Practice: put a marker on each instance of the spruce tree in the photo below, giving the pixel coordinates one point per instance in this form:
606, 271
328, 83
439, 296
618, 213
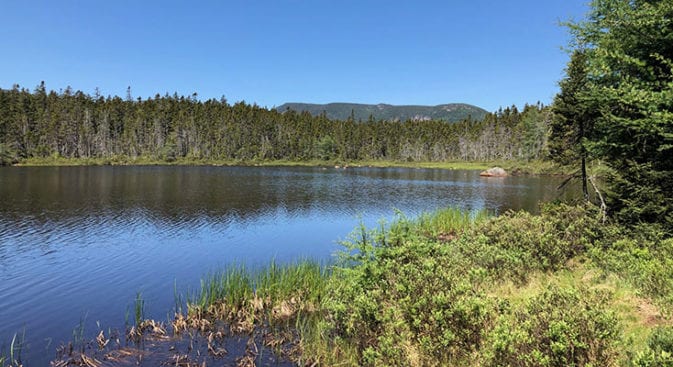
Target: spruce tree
629, 48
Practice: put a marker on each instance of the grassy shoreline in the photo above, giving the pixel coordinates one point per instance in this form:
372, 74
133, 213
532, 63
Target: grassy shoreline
537, 167
447, 288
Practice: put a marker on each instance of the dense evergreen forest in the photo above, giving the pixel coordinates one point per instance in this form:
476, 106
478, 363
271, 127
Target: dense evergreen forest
72, 124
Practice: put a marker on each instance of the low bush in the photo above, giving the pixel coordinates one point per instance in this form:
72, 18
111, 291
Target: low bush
403, 299
546, 241
659, 352
644, 261
558, 327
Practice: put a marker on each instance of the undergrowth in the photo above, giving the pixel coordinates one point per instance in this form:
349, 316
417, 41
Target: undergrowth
429, 291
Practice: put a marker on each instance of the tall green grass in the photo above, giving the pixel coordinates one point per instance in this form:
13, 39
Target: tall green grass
234, 286
449, 221
306, 279
237, 285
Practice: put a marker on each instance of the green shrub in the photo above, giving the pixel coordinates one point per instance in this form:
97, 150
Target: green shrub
559, 327
659, 352
644, 261
401, 296
419, 292
168, 152
517, 242
326, 148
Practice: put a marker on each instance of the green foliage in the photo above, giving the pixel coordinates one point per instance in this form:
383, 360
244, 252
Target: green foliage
168, 152
645, 259
237, 286
573, 116
8, 156
558, 327
417, 292
516, 243
401, 295
629, 50
139, 309
326, 148
535, 124
659, 352
72, 125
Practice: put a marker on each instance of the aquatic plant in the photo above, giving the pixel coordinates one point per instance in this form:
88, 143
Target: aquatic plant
247, 297
15, 351
139, 308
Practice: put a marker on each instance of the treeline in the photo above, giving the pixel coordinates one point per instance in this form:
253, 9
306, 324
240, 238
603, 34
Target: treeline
72, 124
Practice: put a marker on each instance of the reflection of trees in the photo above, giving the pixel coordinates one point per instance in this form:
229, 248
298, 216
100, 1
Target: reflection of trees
173, 195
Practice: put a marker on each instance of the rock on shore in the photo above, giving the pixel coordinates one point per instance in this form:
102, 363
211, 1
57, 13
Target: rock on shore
494, 172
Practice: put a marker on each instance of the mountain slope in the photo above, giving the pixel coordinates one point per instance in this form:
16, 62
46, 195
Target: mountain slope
340, 111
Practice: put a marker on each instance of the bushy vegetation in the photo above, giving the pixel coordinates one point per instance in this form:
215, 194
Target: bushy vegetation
431, 291
557, 327
645, 258
8, 156
399, 296
421, 292
659, 351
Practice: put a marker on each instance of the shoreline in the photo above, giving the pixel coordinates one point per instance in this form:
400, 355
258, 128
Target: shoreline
515, 168
289, 314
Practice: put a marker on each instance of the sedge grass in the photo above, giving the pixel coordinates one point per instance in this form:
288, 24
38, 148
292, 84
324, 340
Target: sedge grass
449, 221
15, 350
139, 308
237, 286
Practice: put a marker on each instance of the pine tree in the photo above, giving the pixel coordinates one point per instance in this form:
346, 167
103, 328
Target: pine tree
629, 48
573, 118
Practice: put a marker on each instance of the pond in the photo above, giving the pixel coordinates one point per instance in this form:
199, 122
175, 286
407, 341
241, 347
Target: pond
78, 243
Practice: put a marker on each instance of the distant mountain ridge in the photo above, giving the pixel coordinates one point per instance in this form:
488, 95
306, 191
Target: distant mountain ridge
450, 112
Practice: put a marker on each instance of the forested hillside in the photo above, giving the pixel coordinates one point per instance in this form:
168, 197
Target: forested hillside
72, 124
451, 112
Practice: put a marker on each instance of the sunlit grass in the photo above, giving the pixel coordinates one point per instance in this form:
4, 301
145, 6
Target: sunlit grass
255, 297
449, 221
513, 166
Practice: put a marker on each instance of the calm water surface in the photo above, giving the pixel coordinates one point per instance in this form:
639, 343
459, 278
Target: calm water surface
78, 243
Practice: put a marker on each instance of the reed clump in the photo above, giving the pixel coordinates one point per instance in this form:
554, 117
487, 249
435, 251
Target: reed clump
244, 299
265, 304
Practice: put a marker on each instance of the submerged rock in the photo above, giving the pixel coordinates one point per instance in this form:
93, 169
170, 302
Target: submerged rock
494, 172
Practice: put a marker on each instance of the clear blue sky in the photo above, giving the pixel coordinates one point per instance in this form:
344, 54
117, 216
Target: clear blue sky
488, 53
